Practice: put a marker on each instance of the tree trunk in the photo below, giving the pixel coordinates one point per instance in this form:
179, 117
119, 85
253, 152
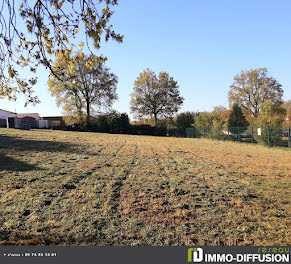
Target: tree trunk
88, 115
81, 119
155, 120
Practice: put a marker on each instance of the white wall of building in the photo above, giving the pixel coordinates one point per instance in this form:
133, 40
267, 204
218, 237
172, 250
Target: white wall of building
4, 114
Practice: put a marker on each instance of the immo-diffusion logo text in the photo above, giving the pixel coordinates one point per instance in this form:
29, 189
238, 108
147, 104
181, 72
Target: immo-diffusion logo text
197, 255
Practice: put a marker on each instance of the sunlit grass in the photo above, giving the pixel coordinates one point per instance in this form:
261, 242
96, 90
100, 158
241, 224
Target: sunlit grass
67, 188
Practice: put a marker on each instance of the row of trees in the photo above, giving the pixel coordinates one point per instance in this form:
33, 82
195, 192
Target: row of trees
90, 86
255, 98
83, 85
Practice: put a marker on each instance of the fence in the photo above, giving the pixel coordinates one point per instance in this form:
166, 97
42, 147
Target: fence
28, 124
271, 136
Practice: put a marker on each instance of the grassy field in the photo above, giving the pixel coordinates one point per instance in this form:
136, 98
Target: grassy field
100, 189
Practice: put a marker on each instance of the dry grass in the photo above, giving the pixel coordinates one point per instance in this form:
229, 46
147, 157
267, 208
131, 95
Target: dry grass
99, 189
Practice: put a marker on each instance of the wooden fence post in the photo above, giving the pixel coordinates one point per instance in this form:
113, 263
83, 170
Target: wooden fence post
252, 134
268, 136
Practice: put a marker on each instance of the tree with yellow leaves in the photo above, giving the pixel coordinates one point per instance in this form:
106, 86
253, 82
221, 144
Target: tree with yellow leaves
155, 95
250, 89
287, 106
89, 84
270, 121
50, 27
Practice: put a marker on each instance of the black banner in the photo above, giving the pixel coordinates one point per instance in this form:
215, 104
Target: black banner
140, 255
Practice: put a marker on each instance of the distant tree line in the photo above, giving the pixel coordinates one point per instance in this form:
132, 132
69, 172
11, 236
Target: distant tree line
255, 99
118, 123
83, 85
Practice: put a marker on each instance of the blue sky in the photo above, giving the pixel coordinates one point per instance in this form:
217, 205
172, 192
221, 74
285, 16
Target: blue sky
201, 43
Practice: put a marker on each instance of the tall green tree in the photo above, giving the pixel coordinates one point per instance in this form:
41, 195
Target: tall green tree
90, 85
33, 32
185, 120
252, 88
155, 96
237, 119
205, 120
112, 122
